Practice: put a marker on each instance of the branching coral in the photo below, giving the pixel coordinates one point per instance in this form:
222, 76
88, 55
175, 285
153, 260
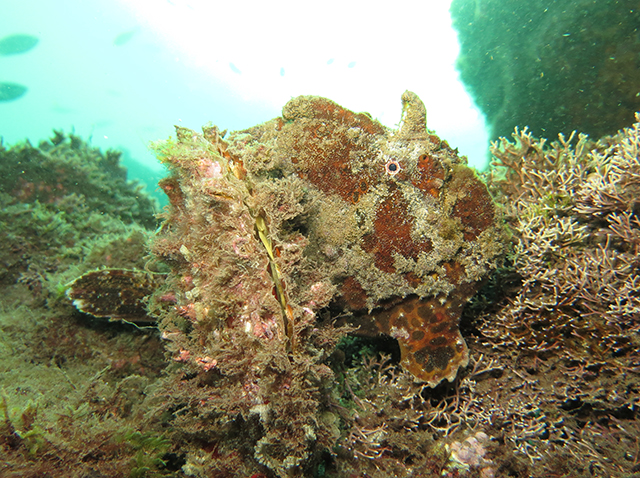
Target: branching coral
400, 427
567, 335
574, 212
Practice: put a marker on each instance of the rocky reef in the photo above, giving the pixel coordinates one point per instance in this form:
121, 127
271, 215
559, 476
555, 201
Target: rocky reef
553, 66
72, 387
68, 167
274, 232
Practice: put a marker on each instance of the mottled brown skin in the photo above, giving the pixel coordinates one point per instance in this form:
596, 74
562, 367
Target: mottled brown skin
328, 168
427, 331
380, 223
392, 230
474, 206
345, 154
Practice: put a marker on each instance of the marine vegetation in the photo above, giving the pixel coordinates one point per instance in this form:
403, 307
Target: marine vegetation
66, 166
71, 385
566, 335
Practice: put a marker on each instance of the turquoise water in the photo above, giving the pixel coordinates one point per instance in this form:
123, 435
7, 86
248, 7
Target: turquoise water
123, 73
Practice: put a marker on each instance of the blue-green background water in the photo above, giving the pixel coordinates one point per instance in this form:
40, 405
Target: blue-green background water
122, 73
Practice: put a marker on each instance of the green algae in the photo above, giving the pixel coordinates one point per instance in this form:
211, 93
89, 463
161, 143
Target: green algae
71, 383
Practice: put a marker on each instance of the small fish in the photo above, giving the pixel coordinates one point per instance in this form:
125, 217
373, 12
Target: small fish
115, 293
17, 44
11, 91
125, 37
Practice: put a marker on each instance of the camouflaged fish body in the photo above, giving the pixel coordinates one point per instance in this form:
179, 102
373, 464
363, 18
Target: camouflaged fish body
326, 208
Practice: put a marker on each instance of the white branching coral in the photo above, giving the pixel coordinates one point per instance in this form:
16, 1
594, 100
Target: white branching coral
567, 333
573, 207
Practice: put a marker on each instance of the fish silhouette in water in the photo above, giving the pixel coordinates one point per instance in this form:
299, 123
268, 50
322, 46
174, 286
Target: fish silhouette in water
125, 37
11, 91
17, 44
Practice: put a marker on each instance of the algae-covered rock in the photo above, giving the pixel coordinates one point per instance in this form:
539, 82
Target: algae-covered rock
73, 388
66, 165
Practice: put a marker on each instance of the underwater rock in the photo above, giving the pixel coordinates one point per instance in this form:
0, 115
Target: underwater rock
555, 67
320, 208
66, 166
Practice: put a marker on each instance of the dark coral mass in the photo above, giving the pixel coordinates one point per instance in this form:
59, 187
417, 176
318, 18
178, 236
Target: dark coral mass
322, 207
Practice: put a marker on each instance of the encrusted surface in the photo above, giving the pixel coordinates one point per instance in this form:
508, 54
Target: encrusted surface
323, 207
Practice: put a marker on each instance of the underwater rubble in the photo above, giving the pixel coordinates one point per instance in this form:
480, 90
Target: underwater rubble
333, 299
